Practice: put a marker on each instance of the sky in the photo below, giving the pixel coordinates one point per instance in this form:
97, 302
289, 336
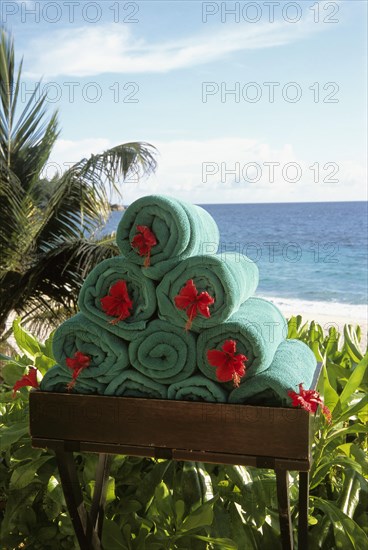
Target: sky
245, 101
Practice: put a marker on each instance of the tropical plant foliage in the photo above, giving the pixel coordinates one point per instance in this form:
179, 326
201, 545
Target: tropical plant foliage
158, 504
48, 227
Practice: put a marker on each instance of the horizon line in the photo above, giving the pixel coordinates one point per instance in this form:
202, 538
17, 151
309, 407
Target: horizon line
256, 203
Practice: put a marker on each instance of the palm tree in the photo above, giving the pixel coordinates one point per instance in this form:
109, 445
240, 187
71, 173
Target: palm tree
48, 227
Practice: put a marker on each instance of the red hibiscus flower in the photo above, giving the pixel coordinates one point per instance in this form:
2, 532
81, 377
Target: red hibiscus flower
229, 366
117, 303
143, 241
77, 363
309, 401
194, 303
29, 379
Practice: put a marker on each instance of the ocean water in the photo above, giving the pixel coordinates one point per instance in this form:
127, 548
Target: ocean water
306, 252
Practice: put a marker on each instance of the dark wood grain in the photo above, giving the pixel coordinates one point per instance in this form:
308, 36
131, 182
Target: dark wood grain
239, 429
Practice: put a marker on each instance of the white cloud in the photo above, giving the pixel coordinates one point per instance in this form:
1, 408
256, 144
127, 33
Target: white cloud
201, 171
88, 51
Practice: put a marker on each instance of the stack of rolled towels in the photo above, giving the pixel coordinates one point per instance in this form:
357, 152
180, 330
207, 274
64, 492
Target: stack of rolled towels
171, 318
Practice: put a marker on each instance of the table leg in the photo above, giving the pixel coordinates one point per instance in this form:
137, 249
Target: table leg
284, 509
303, 510
74, 501
97, 513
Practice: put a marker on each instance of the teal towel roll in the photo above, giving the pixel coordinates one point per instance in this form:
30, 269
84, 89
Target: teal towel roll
294, 363
164, 352
197, 388
108, 353
141, 292
131, 383
228, 278
57, 379
181, 230
258, 328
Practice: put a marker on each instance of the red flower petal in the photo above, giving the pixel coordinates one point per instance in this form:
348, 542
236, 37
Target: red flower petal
117, 303
204, 300
229, 366
187, 295
182, 302
29, 379
194, 303
119, 289
229, 346
143, 242
223, 375
216, 358
309, 401
79, 362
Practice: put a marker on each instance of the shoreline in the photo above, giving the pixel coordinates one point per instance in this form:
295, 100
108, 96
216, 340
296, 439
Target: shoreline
326, 314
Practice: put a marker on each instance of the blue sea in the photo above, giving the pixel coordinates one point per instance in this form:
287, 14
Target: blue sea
306, 252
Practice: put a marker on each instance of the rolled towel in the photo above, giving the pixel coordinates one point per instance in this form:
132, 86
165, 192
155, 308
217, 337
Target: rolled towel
179, 230
197, 388
106, 353
131, 383
294, 363
164, 352
258, 328
57, 379
229, 279
124, 310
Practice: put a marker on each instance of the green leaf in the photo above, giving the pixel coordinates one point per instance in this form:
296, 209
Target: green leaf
25, 341
348, 534
53, 501
325, 467
16, 501
112, 537
349, 496
244, 535
6, 397
110, 490
331, 397
149, 482
45, 534
179, 511
224, 544
352, 343
360, 457
47, 346
24, 475
201, 517
12, 372
11, 434
26, 451
312, 520
43, 363
351, 412
354, 429
355, 379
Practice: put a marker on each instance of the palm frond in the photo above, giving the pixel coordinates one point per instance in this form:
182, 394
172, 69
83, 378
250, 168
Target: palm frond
53, 282
12, 215
26, 140
80, 203
47, 227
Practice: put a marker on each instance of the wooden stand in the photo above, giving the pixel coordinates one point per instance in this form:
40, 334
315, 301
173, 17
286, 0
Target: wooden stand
265, 437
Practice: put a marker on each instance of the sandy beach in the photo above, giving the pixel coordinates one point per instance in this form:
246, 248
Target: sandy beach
327, 314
